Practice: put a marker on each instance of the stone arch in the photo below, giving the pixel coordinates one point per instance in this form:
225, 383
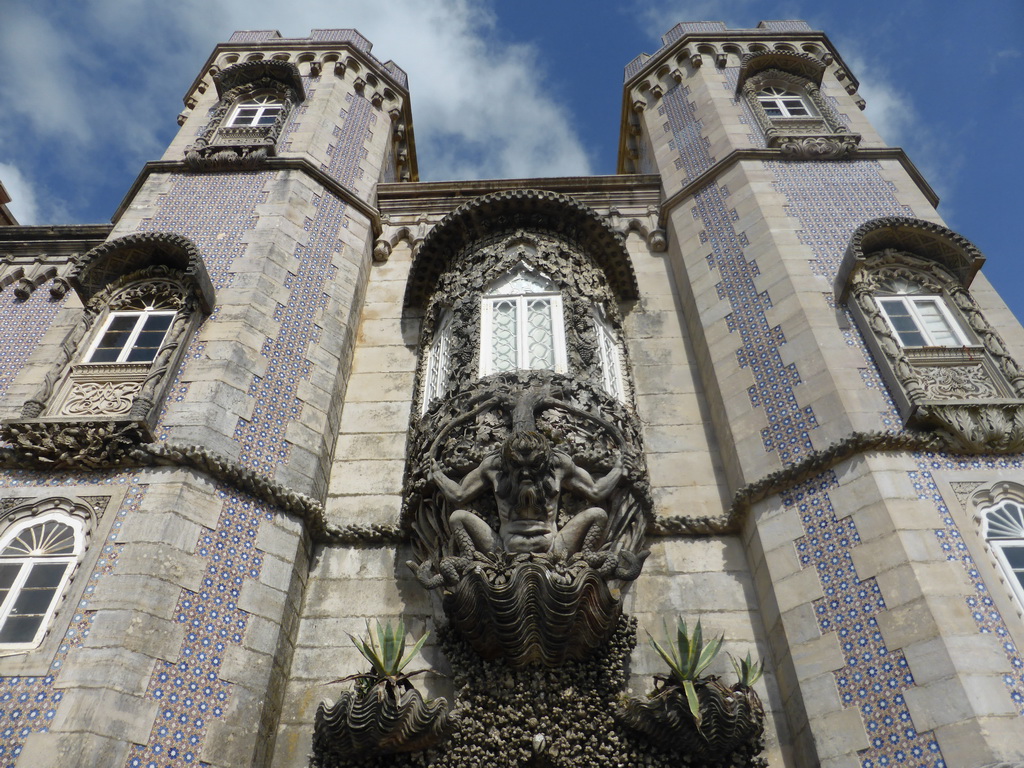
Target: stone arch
95, 270
511, 210
925, 239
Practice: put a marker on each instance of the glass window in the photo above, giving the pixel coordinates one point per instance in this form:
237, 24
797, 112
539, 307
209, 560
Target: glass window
439, 362
922, 321
1004, 530
261, 110
778, 102
37, 558
608, 350
131, 337
522, 325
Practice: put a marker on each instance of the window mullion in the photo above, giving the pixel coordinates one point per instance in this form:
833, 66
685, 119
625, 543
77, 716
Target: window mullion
129, 344
15, 590
522, 323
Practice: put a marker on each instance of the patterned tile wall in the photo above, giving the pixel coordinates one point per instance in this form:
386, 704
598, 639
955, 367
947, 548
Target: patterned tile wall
29, 703
983, 610
189, 690
688, 140
22, 324
830, 200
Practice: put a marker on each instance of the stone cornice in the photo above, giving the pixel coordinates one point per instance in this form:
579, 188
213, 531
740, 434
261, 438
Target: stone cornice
738, 155
300, 164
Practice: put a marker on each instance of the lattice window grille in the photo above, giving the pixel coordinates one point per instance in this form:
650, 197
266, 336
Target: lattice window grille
522, 325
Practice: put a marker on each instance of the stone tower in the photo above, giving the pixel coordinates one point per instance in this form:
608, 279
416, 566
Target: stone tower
293, 394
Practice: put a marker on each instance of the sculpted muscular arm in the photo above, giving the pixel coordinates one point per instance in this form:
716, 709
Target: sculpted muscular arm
578, 480
472, 485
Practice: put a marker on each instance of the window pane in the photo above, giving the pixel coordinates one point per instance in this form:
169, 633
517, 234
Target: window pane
114, 339
148, 342
1014, 556
936, 324
8, 572
269, 116
503, 336
33, 602
45, 575
20, 629
540, 341
903, 322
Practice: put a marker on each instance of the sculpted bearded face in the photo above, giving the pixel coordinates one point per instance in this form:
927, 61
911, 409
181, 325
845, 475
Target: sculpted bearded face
526, 460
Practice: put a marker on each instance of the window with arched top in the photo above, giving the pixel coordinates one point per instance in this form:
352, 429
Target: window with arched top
259, 110
906, 285
917, 317
779, 102
1004, 532
522, 326
38, 556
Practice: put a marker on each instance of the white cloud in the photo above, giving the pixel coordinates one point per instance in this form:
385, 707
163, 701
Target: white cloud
95, 90
480, 107
23, 196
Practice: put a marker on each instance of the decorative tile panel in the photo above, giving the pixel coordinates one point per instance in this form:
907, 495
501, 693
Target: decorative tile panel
28, 704
874, 676
693, 147
986, 615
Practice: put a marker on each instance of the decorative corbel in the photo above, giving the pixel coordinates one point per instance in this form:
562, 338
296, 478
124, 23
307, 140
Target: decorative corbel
359, 84
721, 59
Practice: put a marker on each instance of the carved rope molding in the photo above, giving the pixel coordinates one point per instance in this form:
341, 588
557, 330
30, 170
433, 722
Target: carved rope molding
311, 511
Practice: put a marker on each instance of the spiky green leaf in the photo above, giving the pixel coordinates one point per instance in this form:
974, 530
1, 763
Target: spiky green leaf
692, 701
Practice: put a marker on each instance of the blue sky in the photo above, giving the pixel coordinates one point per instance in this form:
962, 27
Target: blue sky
526, 88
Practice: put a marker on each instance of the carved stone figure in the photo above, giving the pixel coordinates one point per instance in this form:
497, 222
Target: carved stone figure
527, 476
528, 508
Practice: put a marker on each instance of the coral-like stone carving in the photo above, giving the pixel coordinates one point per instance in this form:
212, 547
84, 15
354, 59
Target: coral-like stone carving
77, 444
529, 549
386, 719
731, 730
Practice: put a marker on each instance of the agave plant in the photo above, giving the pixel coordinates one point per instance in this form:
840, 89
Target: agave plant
386, 652
687, 657
747, 670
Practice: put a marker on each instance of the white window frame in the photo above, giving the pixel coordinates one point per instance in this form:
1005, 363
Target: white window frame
28, 562
774, 97
610, 353
557, 316
263, 105
439, 363
142, 316
910, 303
1003, 538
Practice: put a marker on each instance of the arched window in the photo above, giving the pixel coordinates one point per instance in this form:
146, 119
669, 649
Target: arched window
522, 325
905, 282
1004, 532
37, 558
259, 110
778, 102
917, 318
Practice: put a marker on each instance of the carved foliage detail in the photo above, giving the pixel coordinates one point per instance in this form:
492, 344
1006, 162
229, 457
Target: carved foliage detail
100, 398
581, 282
966, 395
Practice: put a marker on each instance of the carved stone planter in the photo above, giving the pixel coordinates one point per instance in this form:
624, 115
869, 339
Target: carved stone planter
732, 722
381, 721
